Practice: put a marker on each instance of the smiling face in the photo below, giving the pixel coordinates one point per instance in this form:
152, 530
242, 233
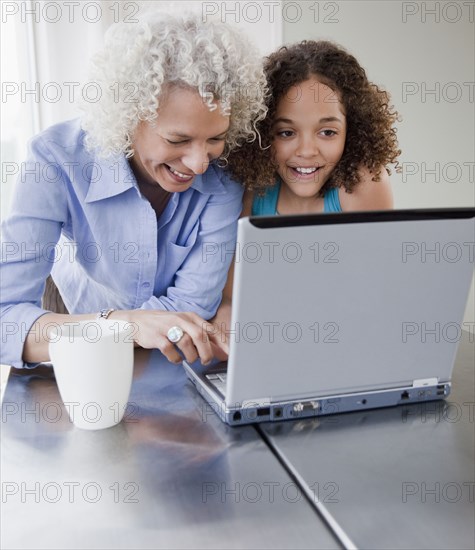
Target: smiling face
180, 144
309, 134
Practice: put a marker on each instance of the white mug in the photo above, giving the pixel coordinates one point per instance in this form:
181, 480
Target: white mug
93, 363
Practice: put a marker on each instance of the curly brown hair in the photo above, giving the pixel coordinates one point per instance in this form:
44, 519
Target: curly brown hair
371, 140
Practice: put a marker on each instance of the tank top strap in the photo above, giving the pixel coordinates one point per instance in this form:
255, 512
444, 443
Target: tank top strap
266, 205
331, 201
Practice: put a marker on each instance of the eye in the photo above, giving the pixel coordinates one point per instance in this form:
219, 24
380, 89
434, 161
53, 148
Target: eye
218, 139
181, 142
328, 133
284, 133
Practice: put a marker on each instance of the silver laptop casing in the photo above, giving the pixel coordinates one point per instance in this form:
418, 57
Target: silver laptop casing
340, 312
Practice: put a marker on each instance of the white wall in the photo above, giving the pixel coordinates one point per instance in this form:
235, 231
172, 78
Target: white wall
65, 47
409, 51
408, 58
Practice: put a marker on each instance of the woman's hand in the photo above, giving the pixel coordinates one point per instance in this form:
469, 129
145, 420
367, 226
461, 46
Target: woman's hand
201, 339
221, 325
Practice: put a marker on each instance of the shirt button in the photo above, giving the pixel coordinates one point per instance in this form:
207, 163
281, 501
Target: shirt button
145, 285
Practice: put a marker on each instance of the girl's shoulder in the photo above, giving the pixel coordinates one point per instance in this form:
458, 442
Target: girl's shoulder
368, 194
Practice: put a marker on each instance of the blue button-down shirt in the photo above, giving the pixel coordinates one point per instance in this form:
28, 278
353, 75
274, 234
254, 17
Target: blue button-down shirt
84, 220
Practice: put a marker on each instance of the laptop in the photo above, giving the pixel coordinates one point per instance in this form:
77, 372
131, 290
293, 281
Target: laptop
342, 312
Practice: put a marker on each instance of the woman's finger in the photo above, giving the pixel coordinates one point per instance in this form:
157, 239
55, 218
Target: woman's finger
200, 341
188, 348
219, 341
169, 351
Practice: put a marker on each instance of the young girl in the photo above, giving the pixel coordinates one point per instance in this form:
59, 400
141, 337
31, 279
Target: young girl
326, 140
325, 143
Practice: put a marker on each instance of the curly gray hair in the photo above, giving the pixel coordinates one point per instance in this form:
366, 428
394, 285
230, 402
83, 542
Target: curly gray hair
139, 60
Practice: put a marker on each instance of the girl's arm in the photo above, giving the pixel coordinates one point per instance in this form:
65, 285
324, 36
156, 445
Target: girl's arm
368, 194
222, 319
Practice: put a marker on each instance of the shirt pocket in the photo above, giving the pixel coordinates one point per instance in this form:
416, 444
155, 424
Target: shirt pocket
177, 253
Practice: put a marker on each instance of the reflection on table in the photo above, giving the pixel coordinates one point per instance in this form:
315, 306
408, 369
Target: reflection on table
170, 475
402, 477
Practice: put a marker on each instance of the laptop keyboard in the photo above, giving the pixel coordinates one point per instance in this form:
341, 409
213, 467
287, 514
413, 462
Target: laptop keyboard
218, 381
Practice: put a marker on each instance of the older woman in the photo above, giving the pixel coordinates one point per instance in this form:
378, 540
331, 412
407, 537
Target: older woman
123, 205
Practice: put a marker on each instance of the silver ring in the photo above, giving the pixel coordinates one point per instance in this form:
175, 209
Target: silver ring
175, 334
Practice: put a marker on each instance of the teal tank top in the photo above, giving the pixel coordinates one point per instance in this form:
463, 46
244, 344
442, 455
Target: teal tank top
267, 204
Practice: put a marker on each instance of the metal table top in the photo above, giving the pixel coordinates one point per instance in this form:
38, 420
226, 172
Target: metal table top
171, 475
402, 477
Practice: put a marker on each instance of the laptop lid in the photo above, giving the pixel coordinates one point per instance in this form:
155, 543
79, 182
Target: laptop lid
340, 303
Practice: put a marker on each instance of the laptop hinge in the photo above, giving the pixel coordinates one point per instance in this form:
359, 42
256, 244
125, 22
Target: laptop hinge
425, 382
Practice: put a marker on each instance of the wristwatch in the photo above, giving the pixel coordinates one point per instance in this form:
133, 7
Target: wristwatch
104, 313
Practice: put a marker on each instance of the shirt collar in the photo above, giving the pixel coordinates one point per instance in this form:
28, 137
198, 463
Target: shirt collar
109, 177
210, 183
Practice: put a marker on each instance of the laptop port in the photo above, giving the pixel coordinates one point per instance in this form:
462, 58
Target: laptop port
277, 413
237, 416
263, 412
305, 406
405, 395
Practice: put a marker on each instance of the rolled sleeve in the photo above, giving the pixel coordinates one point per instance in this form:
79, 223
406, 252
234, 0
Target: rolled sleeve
14, 333
28, 242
